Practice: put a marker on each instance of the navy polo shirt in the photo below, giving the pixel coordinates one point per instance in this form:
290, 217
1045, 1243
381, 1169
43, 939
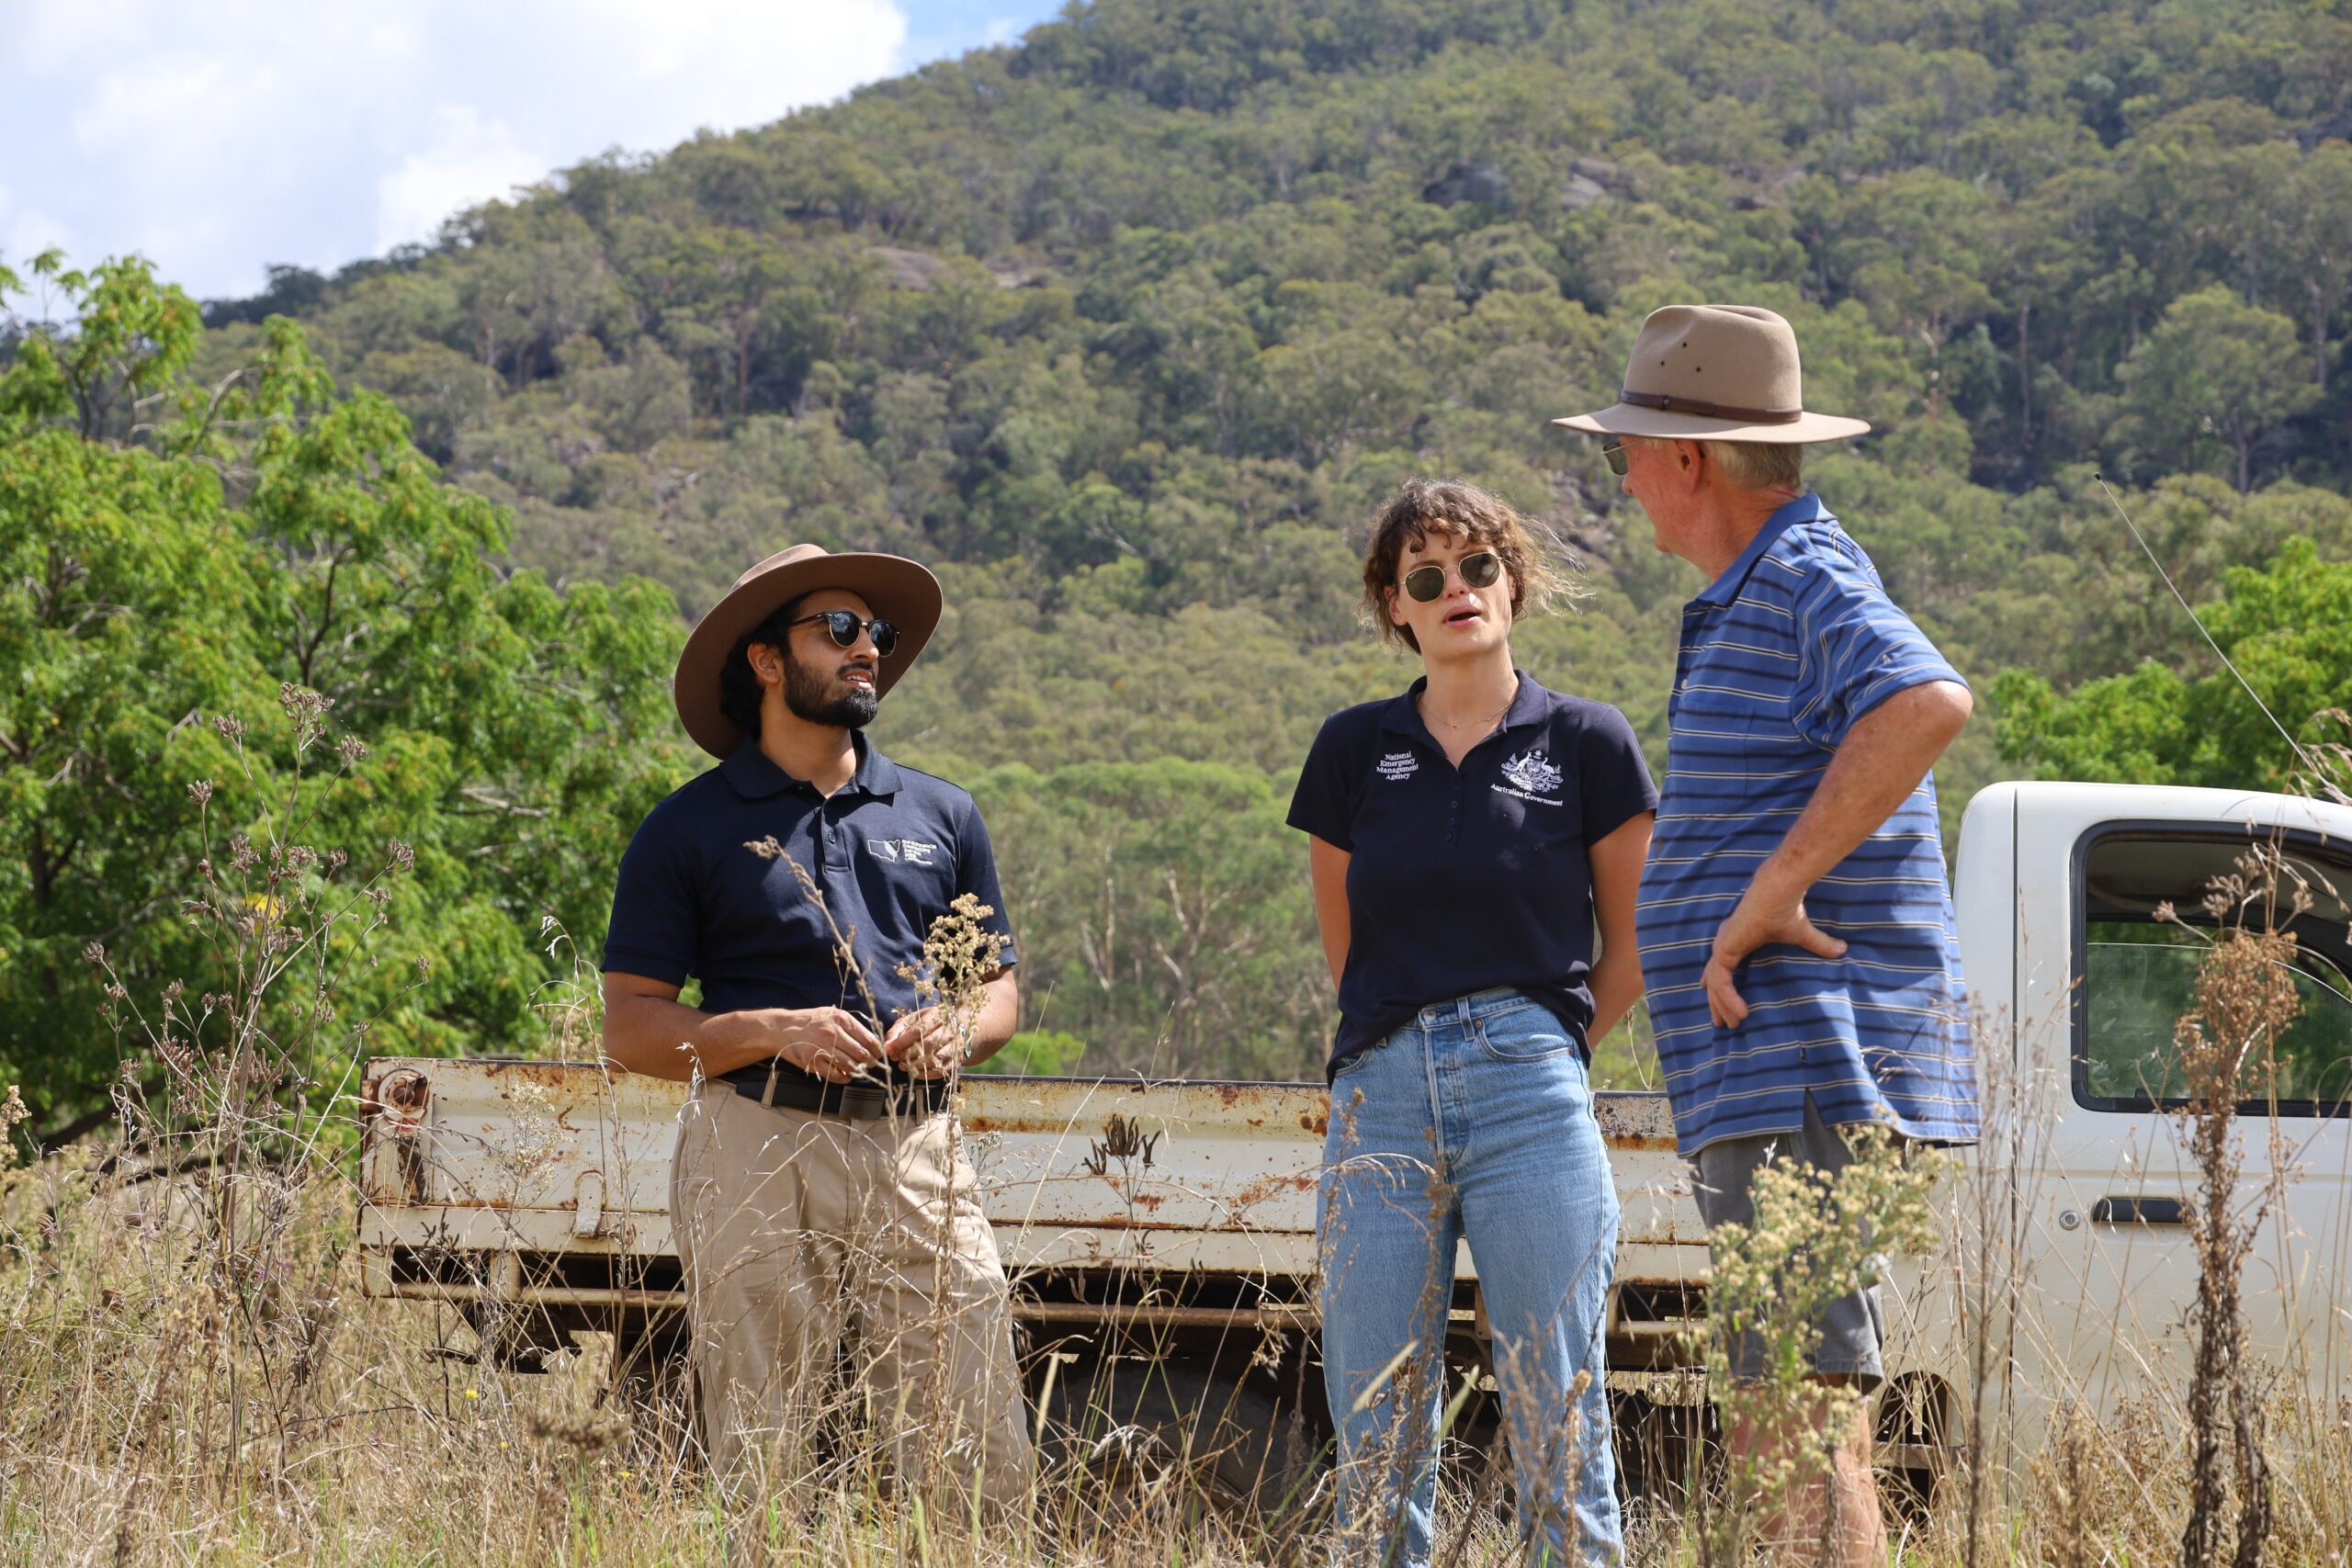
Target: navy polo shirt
1464, 880
889, 852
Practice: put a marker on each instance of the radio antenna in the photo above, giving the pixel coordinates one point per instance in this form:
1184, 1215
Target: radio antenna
2310, 764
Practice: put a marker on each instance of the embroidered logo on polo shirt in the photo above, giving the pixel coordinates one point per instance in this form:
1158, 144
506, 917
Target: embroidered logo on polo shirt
1397, 765
1531, 776
904, 851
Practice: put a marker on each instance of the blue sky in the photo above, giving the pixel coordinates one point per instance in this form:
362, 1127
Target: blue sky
219, 136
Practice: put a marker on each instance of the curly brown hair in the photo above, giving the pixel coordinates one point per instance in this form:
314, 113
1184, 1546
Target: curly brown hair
1450, 509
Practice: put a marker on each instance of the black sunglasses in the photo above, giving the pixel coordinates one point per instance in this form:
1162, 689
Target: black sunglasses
1614, 454
844, 626
1426, 582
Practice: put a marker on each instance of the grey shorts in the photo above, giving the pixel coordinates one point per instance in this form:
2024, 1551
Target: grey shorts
1853, 1329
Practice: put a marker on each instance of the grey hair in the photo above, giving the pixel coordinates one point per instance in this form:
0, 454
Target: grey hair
1758, 464
1752, 464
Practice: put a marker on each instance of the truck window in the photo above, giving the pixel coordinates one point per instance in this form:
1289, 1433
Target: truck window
2136, 974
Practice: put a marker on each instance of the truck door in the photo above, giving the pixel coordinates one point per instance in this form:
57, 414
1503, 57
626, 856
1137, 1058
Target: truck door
2113, 1274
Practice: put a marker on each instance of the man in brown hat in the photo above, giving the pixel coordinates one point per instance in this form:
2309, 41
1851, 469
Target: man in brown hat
820, 1188
1794, 918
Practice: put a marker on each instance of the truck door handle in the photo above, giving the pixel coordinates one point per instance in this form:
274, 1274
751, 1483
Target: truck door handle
2140, 1212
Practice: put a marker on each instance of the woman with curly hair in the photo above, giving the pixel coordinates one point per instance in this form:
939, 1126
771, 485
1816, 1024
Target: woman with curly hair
1467, 840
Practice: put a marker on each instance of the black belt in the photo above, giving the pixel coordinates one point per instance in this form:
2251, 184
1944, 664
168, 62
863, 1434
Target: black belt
861, 1100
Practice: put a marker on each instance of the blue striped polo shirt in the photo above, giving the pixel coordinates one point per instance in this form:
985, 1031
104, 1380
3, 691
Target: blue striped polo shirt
1778, 658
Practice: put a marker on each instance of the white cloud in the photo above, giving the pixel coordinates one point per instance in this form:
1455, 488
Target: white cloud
280, 131
25, 232
470, 159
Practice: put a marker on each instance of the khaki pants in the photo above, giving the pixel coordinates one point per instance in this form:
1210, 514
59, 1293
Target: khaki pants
796, 1229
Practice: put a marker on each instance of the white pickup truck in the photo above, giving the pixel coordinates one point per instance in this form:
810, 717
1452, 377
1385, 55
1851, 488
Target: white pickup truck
1161, 1235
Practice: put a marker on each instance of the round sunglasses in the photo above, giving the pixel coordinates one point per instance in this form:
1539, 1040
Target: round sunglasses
843, 626
1424, 583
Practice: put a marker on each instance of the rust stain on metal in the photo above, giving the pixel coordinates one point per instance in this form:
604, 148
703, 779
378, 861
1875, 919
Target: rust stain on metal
567, 1077
1633, 1119
1318, 1125
1644, 1141
1274, 1186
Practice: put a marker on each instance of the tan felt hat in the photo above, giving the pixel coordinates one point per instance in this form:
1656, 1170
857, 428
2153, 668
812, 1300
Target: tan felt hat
1715, 373
901, 592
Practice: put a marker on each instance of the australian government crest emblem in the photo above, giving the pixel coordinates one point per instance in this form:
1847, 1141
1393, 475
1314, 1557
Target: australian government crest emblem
1531, 773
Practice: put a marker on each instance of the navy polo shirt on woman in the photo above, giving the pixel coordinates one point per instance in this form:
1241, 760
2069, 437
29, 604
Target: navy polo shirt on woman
889, 852
1463, 880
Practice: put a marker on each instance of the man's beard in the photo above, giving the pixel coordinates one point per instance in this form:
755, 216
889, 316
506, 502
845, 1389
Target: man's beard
804, 693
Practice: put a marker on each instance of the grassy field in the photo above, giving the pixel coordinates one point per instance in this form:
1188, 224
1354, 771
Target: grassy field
190, 1372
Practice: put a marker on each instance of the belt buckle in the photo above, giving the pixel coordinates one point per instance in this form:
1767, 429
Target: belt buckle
864, 1101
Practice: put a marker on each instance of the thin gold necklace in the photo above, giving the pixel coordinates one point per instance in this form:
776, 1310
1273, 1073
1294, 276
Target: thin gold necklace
1492, 719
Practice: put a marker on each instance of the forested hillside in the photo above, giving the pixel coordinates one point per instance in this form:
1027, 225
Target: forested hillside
1127, 327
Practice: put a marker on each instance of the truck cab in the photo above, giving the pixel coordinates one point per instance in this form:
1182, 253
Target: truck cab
2085, 913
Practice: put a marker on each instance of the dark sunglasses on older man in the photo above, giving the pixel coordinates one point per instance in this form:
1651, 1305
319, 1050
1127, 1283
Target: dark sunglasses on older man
843, 626
1614, 454
1426, 582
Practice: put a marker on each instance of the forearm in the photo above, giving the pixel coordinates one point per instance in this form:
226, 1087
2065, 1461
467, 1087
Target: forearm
1886, 754
1327, 884
666, 1039
998, 1017
1616, 985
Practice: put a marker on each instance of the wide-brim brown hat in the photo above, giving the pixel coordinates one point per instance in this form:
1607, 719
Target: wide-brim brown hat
901, 592
1715, 373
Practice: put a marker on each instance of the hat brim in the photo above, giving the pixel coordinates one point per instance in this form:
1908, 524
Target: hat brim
1627, 419
899, 591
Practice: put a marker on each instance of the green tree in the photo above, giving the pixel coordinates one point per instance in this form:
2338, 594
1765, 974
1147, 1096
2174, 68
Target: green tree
2216, 368
2288, 631
163, 582
1162, 914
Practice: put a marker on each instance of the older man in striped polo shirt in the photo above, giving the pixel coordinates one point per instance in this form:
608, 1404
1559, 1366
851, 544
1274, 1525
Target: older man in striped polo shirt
1796, 921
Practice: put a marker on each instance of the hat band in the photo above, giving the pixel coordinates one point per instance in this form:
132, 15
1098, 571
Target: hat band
1709, 410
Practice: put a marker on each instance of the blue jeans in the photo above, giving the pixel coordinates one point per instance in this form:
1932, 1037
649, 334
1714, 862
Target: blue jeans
1475, 1120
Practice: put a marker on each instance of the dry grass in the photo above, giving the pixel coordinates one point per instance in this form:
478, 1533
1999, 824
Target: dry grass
189, 1371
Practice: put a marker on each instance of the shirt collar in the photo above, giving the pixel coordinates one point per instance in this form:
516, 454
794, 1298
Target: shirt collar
755, 776
1403, 714
1725, 589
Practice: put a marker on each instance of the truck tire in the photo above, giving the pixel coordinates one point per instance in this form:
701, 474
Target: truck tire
1169, 1436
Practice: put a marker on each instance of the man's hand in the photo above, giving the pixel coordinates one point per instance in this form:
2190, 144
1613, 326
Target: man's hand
925, 1043
1885, 755
834, 1044
1754, 922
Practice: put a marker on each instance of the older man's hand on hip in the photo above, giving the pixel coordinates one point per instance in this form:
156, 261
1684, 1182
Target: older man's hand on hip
1886, 754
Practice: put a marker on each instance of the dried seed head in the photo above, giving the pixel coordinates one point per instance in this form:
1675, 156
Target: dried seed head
200, 791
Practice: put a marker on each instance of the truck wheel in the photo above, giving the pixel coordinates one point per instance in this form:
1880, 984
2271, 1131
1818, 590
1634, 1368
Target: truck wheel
1165, 1438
